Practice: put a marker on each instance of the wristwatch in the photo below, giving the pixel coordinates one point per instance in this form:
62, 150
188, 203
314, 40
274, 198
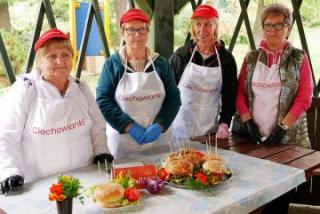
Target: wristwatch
283, 126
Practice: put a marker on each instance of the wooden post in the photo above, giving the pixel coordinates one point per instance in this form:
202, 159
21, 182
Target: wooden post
6, 62
45, 7
164, 14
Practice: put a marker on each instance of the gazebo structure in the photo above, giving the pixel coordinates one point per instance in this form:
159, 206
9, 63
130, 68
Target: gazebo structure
163, 12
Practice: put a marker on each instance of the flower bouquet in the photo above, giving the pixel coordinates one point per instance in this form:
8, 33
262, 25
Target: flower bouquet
64, 191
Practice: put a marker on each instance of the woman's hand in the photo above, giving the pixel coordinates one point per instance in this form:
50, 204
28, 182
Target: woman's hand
223, 131
11, 184
102, 157
276, 136
252, 131
152, 133
136, 132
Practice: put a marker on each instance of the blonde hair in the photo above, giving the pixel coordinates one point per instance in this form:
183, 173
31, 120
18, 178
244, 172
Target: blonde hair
58, 43
215, 34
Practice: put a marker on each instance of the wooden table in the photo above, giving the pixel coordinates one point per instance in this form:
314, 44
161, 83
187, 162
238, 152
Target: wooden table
295, 156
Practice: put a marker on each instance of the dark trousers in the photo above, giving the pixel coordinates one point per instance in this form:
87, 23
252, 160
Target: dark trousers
279, 205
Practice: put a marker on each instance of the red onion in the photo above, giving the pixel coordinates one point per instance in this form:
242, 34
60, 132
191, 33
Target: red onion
153, 186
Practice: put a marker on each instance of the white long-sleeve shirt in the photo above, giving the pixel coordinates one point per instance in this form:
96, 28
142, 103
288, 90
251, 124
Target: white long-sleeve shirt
43, 133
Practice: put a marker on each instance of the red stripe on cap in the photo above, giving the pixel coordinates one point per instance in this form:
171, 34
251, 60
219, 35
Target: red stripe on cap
53, 33
134, 14
205, 11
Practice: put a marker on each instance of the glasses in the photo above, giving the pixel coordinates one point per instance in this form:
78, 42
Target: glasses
277, 26
63, 57
141, 31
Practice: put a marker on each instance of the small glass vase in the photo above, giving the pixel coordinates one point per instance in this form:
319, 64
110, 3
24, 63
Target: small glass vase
65, 206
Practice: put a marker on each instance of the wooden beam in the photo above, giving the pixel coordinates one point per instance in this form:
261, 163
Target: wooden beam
146, 6
6, 62
193, 5
84, 40
237, 28
179, 4
131, 4
297, 16
45, 7
164, 14
247, 24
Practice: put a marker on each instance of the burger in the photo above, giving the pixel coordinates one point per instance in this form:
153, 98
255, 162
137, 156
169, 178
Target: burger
179, 167
108, 195
214, 166
216, 171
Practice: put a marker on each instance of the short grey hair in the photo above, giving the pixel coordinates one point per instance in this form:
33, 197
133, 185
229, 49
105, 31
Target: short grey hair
278, 9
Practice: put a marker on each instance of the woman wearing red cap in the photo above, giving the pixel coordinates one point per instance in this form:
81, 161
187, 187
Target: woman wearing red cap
136, 91
52, 123
275, 86
206, 74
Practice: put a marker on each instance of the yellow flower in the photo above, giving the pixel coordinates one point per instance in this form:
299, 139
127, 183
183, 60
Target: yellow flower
66, 178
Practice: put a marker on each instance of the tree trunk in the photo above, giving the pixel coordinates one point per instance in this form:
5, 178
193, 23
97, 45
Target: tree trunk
257, 28
4, 16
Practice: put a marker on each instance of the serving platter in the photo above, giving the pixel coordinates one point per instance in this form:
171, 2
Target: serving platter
225, 178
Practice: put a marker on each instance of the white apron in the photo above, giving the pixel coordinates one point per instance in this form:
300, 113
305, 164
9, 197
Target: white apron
200, 89
266, 87
57, 136
140, 95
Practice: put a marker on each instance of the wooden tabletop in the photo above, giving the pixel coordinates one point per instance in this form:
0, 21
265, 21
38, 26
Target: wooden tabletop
295, 156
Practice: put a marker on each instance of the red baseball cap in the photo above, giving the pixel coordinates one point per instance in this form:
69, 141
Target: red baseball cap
205, 11
53, 33
134, 14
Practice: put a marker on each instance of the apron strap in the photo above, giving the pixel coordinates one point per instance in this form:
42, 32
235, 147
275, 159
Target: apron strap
215, 49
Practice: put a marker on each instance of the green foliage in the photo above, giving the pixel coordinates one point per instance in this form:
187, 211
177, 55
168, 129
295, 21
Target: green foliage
310, 12
226, 38
194, 184
16, 52
114, 32
71, 186
60, 10
243, 39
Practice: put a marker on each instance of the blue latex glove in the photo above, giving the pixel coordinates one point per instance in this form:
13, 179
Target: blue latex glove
152, 133
136, 132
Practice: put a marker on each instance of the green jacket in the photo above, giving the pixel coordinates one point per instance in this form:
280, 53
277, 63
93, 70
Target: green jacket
111, 74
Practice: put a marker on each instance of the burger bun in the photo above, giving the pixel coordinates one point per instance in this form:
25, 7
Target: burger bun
108, 195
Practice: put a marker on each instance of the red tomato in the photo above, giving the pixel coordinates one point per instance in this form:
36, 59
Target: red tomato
199, 154
202, 178
163, 175
132, 194
219, 174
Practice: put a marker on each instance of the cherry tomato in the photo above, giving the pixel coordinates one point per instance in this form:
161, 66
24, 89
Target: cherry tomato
201, 177
199, 154
132, 194
163, 174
